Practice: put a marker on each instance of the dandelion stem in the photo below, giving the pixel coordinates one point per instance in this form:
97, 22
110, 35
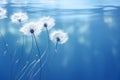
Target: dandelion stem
56, 46
37, 46
38, 53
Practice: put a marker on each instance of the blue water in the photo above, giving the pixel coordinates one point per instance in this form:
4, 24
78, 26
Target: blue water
91, 53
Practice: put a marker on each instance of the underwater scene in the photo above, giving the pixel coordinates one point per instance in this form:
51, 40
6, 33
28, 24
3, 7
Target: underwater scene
59, 40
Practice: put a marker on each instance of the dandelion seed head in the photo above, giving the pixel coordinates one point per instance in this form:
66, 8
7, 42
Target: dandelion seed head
3, 13
47, 21
19, 17
30, 29
59, 36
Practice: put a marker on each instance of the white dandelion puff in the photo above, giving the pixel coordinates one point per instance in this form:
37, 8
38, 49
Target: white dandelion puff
30, 28
47, 22
3, 13
19, 17
59, 36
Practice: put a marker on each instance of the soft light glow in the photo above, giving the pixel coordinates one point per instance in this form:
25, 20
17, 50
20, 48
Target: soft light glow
2, 31
82, 40
84, 28
3, 2
71, 29
59, 34
26, 29
47, 21
109, 20
3, 13
19, 17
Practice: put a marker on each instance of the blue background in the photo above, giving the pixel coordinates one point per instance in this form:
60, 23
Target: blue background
91, 53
